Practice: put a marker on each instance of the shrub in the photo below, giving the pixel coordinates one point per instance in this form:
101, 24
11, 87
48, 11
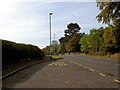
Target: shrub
13, 52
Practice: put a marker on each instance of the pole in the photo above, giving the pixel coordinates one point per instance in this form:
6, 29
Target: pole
50, 31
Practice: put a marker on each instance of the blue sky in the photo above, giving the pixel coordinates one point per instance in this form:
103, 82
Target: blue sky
28, 22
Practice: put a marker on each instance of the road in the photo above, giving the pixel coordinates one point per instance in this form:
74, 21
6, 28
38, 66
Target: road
107, 66
70, 72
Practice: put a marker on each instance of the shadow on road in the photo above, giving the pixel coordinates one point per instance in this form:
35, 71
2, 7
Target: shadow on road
24, 75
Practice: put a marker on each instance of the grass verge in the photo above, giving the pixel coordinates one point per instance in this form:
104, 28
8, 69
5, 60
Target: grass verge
56, 57
112, 56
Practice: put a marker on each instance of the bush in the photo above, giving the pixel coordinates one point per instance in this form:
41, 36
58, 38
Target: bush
13, 52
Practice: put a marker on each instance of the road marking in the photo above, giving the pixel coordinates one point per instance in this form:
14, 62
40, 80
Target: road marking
57, 64
50, 64
85, 67
76, 63
116, 80
91, 70
102, 74
79, 65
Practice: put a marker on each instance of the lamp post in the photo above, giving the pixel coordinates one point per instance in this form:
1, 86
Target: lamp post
50, 14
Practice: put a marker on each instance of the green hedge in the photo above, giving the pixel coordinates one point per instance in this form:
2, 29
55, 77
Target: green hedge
13, 52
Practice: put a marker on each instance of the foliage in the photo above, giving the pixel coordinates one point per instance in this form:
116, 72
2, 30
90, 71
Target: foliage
100, 41
109, 11
73, 44
13, 52
46, 50
117, 34
70, 43
93, 42
55, 48
110, 14
84, 43
109, 39
72, 28
63, 41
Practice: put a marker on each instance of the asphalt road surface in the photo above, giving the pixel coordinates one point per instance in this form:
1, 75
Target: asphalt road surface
107, 66
70, 72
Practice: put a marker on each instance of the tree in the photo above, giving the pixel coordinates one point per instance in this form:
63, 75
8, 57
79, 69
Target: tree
84, 43
46, 50
96, 39
71, 38
63, 41
117, 34
110, 14
93, 43
72, 28
109, 11
110, 39
73, 44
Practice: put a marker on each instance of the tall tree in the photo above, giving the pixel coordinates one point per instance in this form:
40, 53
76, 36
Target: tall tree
63, 41
71, 40
73, 44
84, 43
96, 39
110, 14
72, 28
117, 34
109, 11
92, 43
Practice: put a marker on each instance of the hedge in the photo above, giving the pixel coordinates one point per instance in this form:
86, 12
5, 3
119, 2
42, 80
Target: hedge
13, 52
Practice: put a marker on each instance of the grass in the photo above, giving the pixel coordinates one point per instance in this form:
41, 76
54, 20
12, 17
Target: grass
113, 56
56, 57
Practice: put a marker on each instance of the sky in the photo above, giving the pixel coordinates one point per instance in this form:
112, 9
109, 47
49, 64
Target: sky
28, 22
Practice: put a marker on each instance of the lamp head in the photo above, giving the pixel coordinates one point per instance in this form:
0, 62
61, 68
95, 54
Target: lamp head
50, 13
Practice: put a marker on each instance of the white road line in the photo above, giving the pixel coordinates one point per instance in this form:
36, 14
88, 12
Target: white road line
79, 65
116, 80
102, 74
91, 70
85, 67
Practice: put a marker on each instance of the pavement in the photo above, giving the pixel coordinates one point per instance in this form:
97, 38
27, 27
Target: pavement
70, 72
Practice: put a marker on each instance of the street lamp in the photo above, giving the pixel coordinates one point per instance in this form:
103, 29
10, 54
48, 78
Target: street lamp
50, 14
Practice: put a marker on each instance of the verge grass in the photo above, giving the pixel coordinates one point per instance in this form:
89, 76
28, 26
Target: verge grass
115, 56
56, 57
